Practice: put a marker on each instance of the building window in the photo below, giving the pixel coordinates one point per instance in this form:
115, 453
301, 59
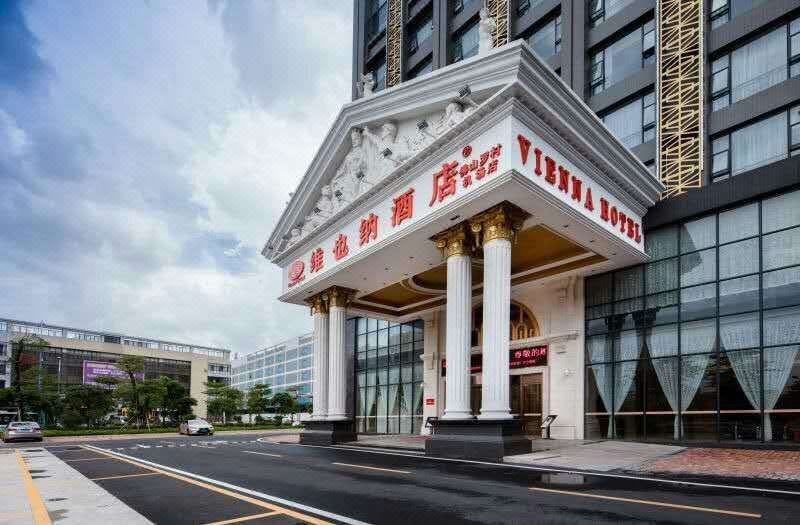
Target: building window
763, 142
465, 43
722, 11
420, 33
634, 123
755, 66
376, 18
702, 342
378, 71
546, 41
389, 375
523, 6
426, 66
601, 10
460, 5
623, 58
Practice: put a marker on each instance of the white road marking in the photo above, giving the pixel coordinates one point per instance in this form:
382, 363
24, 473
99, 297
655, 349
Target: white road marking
143, 446
542, 469
262, 453
243, 490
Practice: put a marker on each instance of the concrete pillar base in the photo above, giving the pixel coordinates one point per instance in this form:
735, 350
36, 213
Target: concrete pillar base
477, 439
328, 432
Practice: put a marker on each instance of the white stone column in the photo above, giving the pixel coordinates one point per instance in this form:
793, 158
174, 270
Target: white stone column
337, 365
496, 314
319, 388
458, 326
496, 227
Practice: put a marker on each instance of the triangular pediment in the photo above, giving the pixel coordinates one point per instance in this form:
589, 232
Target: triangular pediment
377, 138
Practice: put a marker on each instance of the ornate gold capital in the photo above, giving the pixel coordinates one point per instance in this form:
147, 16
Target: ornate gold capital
339, 296
318, 303
454, 241
500, 222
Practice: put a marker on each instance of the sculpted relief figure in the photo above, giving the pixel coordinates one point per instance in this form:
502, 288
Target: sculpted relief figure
367, 84
486, 27
387, 139
346, 183
454, 113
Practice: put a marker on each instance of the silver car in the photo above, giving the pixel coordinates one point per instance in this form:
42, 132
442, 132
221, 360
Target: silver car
196, 427
22, 431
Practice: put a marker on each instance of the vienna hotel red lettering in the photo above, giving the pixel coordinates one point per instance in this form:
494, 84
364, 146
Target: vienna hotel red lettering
572, 186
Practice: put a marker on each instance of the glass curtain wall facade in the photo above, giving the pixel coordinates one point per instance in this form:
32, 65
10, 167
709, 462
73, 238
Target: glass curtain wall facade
703, 342
284, 367
388, 373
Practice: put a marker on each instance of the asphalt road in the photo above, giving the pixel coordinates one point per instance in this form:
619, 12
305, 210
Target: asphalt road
229, 478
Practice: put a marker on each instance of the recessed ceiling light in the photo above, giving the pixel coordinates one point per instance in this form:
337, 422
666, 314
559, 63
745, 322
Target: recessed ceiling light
614, 253
387, 268
410, 256
455, 217
591, 240
566, 226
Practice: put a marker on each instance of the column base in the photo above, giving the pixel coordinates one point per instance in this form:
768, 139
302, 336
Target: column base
328, 432
477, 439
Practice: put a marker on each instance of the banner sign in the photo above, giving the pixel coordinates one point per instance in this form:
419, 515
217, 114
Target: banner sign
94, 369
517, 358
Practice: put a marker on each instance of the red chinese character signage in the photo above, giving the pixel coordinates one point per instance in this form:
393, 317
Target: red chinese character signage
445, 180
296, 273
430, 401
517, 358
368, 230
340, 249
317, 260
403, 207
573, 189
529, 356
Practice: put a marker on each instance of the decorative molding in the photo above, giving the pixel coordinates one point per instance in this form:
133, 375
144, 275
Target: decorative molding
318, 304
680, 94
498, 10
499, 222
454, 241
394, 43
339, 297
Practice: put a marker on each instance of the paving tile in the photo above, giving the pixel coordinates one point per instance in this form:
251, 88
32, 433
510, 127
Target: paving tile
749, 463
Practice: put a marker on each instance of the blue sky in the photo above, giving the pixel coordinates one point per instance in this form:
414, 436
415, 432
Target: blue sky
146, 150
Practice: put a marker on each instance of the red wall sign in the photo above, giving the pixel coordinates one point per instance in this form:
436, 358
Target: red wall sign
517, 358
429, 401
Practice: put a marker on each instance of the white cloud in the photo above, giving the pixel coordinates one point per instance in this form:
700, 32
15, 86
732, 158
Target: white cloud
143, 176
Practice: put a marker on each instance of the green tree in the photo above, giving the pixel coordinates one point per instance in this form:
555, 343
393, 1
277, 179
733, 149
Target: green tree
177, 403
86, 405
18, 347
151, 393
258, 400
223, 401
39, 392
7, 397
132, 365
285, 404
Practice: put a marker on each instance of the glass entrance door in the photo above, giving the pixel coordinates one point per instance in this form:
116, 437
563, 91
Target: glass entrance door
526, 401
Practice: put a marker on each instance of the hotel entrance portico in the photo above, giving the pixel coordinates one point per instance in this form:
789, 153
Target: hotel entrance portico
486, 186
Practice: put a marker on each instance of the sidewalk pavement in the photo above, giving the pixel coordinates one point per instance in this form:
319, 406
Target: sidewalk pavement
38, 488
602, 456
781, 465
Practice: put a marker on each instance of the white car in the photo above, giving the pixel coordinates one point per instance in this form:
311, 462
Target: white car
196, 427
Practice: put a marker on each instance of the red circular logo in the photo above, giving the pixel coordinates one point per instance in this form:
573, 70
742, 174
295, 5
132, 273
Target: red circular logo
296, 271
467, 151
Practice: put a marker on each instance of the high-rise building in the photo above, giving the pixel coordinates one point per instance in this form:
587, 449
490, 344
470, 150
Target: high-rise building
559, 126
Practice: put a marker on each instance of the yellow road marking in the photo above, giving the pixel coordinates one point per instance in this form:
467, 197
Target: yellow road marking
40, 515
219, 490
262, 453
372, 468
125, 476
82, 459
244, 518
652, 503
